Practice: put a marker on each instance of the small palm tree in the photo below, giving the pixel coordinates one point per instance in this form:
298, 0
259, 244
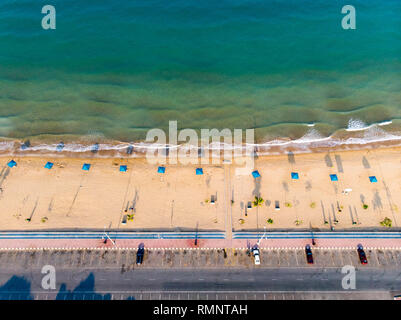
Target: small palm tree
258, 201
270, 221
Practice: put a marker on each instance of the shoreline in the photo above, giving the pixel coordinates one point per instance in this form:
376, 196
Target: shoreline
117, 149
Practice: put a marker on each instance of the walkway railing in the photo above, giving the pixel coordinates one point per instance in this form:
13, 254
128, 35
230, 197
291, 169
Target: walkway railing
318, 235
113, 235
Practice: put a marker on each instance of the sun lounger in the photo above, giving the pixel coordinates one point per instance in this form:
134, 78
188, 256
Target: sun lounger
276, 205
249, 207
347, 191
212, 200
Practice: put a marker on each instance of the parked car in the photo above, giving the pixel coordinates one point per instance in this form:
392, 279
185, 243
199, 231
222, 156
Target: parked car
139, 255
362, 255
256, 255
308, 252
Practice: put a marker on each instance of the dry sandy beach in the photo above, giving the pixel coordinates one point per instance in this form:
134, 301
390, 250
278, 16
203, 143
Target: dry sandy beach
66, 197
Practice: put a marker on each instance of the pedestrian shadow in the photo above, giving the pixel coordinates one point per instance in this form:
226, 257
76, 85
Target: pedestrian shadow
377, 201
256, 190
339, 163
291, 157
328, 161
4, 174
365, 163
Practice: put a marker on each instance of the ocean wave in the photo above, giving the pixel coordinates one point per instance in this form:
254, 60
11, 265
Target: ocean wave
357, 133
359, 125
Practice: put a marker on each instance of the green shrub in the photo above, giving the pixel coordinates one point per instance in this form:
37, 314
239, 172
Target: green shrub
386, 222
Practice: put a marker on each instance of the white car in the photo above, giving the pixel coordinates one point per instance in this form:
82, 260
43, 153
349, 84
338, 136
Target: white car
256, 256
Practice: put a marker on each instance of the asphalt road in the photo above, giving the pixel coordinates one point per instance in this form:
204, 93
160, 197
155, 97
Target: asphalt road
101, 283
167, 274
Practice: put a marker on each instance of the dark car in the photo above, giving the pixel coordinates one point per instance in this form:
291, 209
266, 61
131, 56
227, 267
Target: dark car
362, 255
139, 255
309, 256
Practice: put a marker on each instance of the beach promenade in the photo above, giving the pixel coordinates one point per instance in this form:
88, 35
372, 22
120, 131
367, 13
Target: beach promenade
61, 240
179, 209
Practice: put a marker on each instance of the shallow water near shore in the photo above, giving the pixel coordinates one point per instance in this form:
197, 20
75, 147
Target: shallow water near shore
110, 72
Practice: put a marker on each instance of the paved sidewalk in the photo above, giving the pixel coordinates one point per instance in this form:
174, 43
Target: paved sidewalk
190, 243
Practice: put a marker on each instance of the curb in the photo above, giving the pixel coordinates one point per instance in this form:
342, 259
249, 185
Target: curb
189, 249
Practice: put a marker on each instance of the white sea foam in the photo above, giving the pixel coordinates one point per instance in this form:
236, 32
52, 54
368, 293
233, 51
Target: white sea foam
360, 134
359, 125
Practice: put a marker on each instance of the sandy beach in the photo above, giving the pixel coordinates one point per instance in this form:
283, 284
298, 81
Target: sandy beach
66, 197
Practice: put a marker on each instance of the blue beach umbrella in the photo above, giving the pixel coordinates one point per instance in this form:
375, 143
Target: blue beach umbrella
123, 168
372, 179
49, 165
12, 163
333, 177
294, 175
256, 174
199, 171
86, 166
161, 170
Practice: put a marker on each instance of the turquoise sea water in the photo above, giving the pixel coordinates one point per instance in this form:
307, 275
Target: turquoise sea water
114, 69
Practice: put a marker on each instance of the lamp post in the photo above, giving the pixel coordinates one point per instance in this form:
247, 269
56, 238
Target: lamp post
106, 236
311, 232
264, 233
